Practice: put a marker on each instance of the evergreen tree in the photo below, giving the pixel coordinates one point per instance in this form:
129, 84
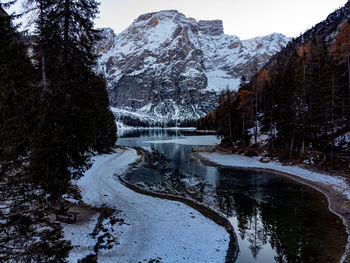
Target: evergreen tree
26, 233
17, 93
300, 98
75, 116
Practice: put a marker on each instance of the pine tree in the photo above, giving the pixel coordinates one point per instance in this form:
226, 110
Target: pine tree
26, 233
75, 116
17, 93
304, 103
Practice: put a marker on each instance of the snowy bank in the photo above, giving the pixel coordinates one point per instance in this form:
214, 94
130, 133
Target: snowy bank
335, 188
338, 183
154, 228
79, 235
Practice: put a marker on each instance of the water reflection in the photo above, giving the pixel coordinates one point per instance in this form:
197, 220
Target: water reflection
275, 218
155, 133
290, 220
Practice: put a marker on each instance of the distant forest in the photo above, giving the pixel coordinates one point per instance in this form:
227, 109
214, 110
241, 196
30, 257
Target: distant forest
298, 105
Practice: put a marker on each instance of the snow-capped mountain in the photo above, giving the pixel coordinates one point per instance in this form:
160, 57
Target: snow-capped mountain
166, 67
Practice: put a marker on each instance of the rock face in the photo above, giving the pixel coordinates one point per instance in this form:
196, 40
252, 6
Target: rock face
211, 27
166, 67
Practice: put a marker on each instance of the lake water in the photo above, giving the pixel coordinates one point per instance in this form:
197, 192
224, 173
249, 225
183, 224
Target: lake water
275, 218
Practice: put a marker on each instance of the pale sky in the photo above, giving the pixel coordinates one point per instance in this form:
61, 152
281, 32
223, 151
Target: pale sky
243, 18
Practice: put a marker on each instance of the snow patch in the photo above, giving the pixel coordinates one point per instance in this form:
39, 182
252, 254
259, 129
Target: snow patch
219, 80
79, 235
159, 229
338, 183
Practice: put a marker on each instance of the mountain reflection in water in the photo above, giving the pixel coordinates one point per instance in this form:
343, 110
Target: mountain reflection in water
275, 218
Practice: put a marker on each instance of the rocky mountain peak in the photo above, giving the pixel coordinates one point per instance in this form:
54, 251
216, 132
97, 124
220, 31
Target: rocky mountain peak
149, 20
172, 68
211, 27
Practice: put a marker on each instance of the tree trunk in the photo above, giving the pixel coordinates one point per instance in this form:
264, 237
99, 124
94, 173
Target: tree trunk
343, 111
229, 112
229, 122
252, 115
303, 112
272, 135
310, 114
332, 116
243, 125
349, 83
66, 31
256, 116
349, 74
43, 70
292, 137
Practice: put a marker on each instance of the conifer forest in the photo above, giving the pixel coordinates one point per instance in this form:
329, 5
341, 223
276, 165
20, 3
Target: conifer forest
132, 132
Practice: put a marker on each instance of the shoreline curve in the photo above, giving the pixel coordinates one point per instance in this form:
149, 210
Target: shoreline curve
337, 201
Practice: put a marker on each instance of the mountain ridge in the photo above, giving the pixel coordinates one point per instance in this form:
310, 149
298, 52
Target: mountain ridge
298, 105
171, 68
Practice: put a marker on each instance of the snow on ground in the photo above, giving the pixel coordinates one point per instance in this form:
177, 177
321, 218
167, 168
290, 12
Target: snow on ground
192, 140
159, 229
343, 139
219, 80
338, 183
79, 235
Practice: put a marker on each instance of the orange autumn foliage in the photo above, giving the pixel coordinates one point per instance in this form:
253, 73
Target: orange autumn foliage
263, 77
341, 46
155, 22
304, 48
244, 97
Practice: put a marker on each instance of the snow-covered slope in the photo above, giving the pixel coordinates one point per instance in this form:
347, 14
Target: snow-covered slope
168, 67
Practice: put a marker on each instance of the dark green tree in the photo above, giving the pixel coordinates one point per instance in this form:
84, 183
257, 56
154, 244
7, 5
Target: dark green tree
75, 116
26, 233
17, 94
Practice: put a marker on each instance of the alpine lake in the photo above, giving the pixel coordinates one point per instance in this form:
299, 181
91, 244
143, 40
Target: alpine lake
275, 218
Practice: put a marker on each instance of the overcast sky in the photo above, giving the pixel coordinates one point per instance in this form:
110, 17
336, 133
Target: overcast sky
243, 18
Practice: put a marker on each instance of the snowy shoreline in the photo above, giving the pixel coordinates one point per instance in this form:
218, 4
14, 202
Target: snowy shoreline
154, 228
335, 188
218, 218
